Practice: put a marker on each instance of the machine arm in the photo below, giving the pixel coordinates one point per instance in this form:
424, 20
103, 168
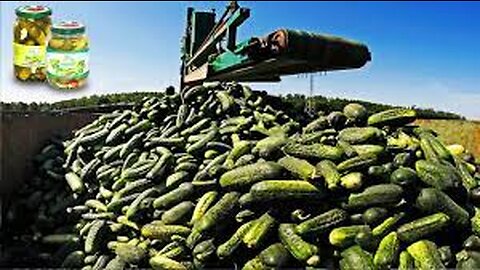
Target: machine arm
282, 52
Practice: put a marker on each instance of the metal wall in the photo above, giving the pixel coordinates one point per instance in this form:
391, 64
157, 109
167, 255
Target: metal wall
23, 135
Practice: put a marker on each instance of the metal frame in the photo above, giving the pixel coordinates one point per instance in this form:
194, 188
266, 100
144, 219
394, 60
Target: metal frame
233, 17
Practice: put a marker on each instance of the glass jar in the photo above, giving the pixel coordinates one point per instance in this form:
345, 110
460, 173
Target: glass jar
67, 56
31, 31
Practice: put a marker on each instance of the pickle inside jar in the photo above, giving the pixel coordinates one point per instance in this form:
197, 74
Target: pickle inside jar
81, 44
22, 73
31, 30
67, 83
56, 43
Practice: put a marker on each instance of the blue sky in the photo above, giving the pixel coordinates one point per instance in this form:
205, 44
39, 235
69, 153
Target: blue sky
424, 53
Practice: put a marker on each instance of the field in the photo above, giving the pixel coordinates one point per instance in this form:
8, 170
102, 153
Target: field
466, 133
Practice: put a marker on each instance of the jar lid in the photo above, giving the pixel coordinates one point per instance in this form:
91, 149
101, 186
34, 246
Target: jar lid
33, 11
68, 28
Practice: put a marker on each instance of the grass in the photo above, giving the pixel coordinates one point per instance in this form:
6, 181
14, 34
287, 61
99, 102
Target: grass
464, 132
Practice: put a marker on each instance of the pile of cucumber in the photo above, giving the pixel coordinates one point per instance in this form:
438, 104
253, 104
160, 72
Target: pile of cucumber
219, 177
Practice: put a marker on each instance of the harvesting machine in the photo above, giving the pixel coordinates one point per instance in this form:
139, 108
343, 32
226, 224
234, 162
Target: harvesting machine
210, 51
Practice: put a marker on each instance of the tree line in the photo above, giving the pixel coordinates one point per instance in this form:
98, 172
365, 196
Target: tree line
293, 104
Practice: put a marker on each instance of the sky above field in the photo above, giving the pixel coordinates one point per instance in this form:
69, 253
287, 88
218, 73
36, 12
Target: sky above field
424, 53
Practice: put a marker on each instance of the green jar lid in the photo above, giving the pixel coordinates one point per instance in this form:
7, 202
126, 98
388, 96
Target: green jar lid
33, 12
68, 28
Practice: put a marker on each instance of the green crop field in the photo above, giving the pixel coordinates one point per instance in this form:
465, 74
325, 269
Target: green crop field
466, 133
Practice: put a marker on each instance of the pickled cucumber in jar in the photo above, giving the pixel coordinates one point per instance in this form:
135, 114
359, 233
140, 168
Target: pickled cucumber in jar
31, 31
67, 56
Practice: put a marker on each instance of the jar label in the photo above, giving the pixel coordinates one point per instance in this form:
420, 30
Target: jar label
28, 55
67, 65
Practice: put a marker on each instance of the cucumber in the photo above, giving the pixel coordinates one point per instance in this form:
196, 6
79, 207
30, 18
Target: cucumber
88, 171
181, 115
254, 264
160, 262
345, 236
138, 172
433, 149
101, 262
178, 213
198, 146
182, 192
404, 177
315, 151
275, 255
375, 195
374, 215
190, 167
259, 231
269, 146
96, 205
219, 211
240, 147
297, 167
468, 180
225, 99
431, 200
322, 223
95, 138
298, 248
115, 264
134, 207
422, 227
204, 250
163, 232
99, 216
141, 126
356, 113
392, 117
195, 127
203, 205
368, 149
161, 166
123, 220
317, 124
131, 144
74, 182
132, 187
131, 254
226, 249
116, 205
356, 258
116, 134
177, 178
247, 175
357, 163
352, 180
360, 135
468, 260
406, 261
315, 137
328, 170
130, 160
120, 119
387, 251
95, 236
285, 190
165, 142
387, 225
425, 255
441, 175
58, 239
